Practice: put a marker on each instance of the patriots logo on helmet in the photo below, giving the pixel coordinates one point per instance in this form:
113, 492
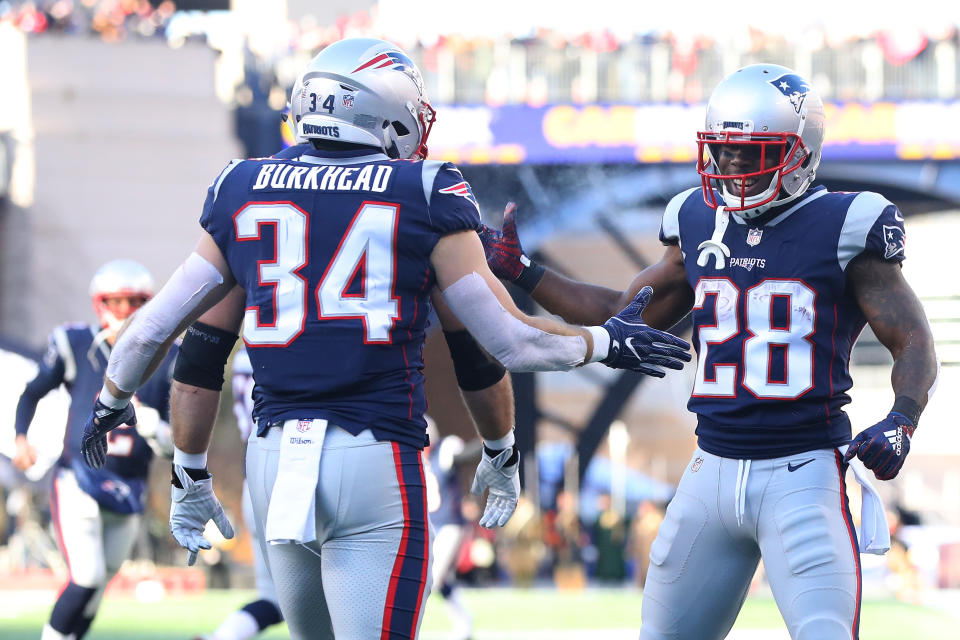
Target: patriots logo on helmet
463, 190
794, 87
895, 239
393, 60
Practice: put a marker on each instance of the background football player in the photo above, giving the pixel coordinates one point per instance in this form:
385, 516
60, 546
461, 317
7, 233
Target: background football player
781, 278
337, 251
96, 512
445, 504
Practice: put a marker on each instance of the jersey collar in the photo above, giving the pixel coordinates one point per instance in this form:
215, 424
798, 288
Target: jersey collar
778, 214
343, 156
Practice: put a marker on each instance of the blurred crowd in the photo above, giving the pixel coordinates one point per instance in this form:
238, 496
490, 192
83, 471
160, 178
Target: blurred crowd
469, 58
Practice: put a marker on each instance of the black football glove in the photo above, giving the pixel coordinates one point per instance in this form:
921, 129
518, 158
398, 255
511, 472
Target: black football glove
93, 444
883, 447
636, 346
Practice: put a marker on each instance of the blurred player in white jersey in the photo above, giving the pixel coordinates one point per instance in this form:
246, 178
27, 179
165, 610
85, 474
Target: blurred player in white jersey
255, 616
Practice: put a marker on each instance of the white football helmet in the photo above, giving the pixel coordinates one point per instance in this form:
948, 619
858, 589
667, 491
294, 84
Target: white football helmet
774, 111
118, 278
363, 91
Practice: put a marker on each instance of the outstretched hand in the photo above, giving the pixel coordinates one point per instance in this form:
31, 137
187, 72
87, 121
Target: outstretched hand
502, 246
636, 346
498, 471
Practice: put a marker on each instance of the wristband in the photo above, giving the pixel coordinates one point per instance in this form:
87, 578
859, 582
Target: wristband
501, 443
108, 399
908, 408
601, 344
531, 275
189, 460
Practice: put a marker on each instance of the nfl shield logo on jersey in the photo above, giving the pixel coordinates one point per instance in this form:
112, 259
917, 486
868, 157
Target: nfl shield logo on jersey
753, 237
304, 425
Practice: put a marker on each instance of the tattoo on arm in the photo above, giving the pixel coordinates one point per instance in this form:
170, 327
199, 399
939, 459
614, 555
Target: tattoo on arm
896, 316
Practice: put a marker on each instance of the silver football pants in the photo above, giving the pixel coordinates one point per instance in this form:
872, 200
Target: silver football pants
367, 576
727, 514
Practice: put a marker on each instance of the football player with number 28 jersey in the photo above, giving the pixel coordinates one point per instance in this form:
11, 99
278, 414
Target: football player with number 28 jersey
780, 279
330, 255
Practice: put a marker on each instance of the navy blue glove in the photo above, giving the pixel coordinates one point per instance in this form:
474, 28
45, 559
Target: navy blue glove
884, 446
638, 347
93, 444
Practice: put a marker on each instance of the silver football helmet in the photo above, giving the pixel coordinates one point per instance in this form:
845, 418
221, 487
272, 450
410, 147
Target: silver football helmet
118, 278
776, 115
363, 91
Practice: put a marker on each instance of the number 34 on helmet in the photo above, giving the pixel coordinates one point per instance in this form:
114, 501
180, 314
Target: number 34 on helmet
363, 91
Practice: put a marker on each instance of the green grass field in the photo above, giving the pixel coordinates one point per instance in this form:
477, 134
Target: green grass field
501, 614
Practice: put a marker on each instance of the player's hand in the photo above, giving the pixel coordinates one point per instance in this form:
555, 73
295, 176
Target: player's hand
498, 471
93, 443
505, 256
636, 346
26, 455
192, 505
883, 447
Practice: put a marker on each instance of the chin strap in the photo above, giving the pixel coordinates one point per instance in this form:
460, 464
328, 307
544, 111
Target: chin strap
714, 246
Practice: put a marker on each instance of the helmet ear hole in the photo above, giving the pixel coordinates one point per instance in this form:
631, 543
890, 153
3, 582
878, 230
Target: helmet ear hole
400, 128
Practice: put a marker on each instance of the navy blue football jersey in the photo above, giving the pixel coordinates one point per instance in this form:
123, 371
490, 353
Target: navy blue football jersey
333, 250
77, 360
774, 327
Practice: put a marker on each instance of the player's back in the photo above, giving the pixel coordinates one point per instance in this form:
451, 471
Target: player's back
333, 250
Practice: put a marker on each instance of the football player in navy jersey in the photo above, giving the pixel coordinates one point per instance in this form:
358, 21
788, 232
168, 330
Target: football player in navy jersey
331, 257
96, 512
780, 278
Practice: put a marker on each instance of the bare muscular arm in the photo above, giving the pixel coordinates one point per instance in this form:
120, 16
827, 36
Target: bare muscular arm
897, 318
582, 303
193, 410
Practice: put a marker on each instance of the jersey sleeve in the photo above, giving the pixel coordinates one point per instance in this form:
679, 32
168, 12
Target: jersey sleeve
50, 375
670, 223
872, 225
213, 219
450, 199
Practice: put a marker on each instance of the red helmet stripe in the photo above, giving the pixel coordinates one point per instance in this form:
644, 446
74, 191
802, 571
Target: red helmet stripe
379, 58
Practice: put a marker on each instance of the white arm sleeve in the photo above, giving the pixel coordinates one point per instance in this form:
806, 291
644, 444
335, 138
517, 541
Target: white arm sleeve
517, 345
158, 319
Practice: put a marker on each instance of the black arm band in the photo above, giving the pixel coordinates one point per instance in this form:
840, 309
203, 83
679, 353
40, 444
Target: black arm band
203, 356
530, 277
475, 369
908, 408
195, 474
